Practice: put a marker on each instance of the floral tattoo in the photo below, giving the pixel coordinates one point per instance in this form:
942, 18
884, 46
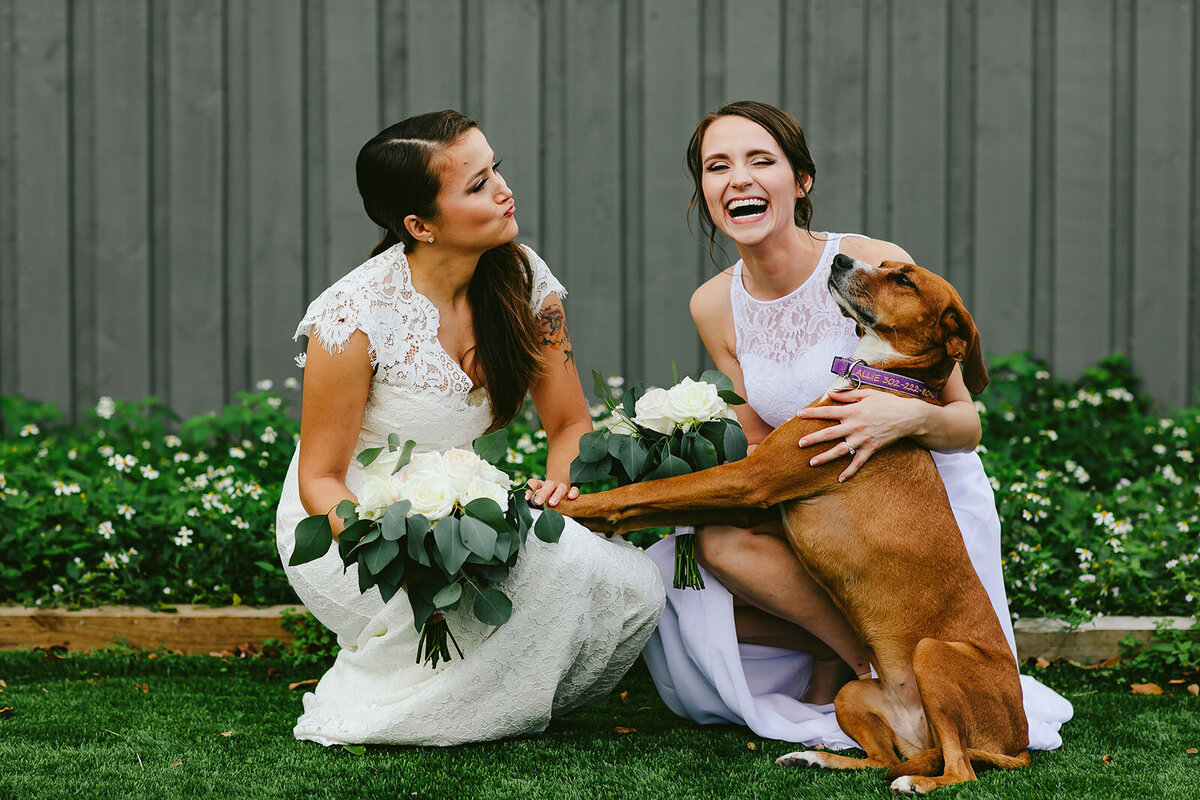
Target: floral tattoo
552, 331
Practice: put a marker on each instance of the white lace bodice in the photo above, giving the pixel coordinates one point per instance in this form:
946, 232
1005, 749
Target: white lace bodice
419, 391
785, 346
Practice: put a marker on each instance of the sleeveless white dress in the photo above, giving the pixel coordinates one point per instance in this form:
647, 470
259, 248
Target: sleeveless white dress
582, 608
785, 347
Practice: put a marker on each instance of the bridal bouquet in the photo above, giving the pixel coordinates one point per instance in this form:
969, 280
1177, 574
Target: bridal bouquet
446, 527
662, 433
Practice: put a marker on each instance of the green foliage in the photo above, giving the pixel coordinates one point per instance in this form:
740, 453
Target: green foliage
1170, 651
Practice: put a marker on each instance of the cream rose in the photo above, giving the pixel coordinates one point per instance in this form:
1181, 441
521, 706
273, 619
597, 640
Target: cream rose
462, 466
650, 412
420, 462
432, 494
495, 475
374, 496
690, 403
484, 488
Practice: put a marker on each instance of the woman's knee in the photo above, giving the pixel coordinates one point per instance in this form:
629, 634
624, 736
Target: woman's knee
720, 545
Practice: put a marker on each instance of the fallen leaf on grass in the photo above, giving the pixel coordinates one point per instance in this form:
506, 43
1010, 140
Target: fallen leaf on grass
175, 764
227, 733
751, 746
620, 729
151, 656
1107, 759
298, 684
1194, 689
144, 688
274, 672
1191, 751
4, 712
1145, 688
1042, 662
356, 749
624, 697
3, 685
645, 708
1175, 681
1111, 661
245, 649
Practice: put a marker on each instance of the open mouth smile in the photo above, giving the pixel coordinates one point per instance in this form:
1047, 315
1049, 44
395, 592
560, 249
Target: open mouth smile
742, 210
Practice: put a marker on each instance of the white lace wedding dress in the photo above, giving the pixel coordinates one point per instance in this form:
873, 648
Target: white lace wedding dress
785, 348
582, 608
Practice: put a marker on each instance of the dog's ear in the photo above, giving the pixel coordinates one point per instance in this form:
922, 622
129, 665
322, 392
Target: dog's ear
962, 345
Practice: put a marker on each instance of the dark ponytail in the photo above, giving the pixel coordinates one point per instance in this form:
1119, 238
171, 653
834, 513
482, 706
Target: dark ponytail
396, 178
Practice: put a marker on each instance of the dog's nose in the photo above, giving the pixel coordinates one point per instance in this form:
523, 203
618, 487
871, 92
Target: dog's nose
843, 263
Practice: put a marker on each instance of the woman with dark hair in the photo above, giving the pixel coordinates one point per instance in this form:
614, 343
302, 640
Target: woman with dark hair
437, 338
764, 645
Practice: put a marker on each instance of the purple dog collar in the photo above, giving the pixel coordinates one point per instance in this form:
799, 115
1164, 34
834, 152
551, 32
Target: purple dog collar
857, 371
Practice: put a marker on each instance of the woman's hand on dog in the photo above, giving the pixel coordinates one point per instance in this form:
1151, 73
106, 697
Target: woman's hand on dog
547, 491
867, 421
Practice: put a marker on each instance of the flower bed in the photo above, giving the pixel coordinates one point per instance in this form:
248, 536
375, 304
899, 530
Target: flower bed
1097, 490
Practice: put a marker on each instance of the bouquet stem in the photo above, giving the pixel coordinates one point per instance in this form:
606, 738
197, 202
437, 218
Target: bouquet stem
433, 645
687, 571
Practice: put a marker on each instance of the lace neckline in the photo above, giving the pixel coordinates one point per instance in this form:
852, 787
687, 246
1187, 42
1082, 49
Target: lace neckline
740, 286
434, 316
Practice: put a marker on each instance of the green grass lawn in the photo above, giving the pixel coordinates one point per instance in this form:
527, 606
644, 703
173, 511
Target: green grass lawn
121, 725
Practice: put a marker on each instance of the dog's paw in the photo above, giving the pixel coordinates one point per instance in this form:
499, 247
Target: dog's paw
804, 758
907, 785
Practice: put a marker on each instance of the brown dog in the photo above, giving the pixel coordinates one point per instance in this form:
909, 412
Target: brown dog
885, 546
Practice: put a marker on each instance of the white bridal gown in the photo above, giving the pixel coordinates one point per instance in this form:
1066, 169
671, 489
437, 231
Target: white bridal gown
785, 348
583, 608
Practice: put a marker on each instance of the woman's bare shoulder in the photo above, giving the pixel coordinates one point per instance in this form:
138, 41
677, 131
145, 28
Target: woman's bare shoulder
874, 251
711, 298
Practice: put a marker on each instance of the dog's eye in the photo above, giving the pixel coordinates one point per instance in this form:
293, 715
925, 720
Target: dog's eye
903, 280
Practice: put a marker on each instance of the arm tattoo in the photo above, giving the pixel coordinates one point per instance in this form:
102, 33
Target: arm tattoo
552, 331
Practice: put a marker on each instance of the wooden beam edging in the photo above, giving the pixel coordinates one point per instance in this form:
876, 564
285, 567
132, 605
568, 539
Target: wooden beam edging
200, 629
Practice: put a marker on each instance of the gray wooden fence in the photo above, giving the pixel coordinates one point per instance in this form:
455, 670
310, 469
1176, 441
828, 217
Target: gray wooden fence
176, 178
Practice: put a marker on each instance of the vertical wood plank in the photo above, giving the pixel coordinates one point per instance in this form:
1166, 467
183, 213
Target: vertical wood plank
1082, 184
275, 188
42, 188
753, 51
1041, 322
240, 214
195, 214
121, 163
435, 37
960, 162
877, 163
554, 139
918, 130
836, 82
1003, 185
81, 55
633, 127
592, 216
9, 321
1161, 195
511, 115
671, 108
352, 85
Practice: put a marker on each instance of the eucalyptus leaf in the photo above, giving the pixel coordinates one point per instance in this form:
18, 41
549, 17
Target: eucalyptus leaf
393, 441
630, 398
368, 456
631, 453
704, 455
670, 467
405, 456
487, 510
314, 535
588, 472
447, 597
714, 432
674, 372
346, 510
355, 531
418, 525
416, 550
395, 572
735, 442
421, 600
600, 388
370, 536
731, 398
492, 447
505, 542
493, 573
449, 544
593, 446
387, 589
478, 536
394, 524
492, 607
365, 579
718, 379
379, 554
549, 526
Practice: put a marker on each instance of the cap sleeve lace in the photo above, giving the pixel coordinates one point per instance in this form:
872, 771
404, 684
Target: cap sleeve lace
544, 282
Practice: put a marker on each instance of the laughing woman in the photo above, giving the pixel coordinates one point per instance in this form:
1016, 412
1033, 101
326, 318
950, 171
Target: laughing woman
766, 646
437, 338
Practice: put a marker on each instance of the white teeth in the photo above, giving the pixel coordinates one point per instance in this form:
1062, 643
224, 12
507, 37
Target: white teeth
746, 202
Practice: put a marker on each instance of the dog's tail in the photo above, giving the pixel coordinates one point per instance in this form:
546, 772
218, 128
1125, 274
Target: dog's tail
931, 764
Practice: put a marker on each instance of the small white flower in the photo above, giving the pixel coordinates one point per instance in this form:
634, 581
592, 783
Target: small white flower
72, 454
105, 450
1188, 597
192, 512
149, 472
105, 408
1051, 435
1185, 456
3, 480
237, 452
1172, 564
1041, 374
980, 408
238, 522
181, 456
126, 511
166, 590
1183, 527
1058, 404
265, 385
60, 488
108, 562
291, 383
1087, 577
173, 441
1165, 422
1159, 449
1009, 415
57, 589
105, 529
268, 435
30, 430
1104, 518
275, 402
301, 360
184, 537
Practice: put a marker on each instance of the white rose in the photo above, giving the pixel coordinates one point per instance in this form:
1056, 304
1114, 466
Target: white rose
650, 412
432, 494
616, 423
462, 466
690, 403
484, 488
374, 497
495, 475
420, 462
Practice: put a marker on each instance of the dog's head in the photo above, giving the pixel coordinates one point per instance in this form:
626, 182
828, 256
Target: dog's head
911, 320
